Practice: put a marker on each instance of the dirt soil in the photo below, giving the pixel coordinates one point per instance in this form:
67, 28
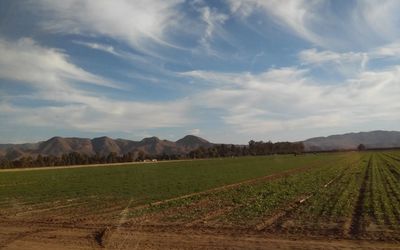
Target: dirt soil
22, 235
75, 228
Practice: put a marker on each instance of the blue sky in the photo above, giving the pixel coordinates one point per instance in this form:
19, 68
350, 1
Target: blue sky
227, 70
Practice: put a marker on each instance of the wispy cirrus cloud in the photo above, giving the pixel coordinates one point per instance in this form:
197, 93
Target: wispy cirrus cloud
376, 21
361, 24
99, 46
56, 80
298, 16
313, 56
24, 60
142, 24
213, 21
348, 63
345, 63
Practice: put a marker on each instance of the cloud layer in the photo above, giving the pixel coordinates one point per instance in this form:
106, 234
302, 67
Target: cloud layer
230, 69
288, 99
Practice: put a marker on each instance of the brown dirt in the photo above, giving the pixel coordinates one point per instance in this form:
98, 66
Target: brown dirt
277, 219
357, 227
29, 236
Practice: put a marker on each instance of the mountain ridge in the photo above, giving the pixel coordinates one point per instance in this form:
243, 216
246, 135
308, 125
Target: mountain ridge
57, 146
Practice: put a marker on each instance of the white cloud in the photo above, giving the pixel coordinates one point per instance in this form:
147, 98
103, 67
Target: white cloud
348, 63
213, 21
118, 53
98, 46
59, 82
363, 24
194, 131
98, 114
313, 56
207, 27
26, 61
138, 22
286, 99
387, 50
377, 19
299, 16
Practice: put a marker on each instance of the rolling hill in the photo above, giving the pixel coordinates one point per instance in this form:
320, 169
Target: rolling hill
373, 139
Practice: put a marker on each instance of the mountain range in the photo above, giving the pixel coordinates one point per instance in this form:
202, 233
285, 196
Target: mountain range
373, 139
57, 146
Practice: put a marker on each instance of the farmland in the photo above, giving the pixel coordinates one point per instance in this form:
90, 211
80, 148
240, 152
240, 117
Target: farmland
331, 200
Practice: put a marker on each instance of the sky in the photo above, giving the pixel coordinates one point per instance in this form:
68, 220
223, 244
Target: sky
225, 70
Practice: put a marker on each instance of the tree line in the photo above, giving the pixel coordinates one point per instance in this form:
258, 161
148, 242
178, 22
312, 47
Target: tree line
252, 149
220, 150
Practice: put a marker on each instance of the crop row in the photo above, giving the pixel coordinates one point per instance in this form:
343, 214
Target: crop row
364, 202
332, 207
249, 205
354, 195
256, 203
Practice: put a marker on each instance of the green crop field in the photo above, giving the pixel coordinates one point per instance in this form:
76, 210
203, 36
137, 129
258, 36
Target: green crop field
356, 196
352, 195
142, 182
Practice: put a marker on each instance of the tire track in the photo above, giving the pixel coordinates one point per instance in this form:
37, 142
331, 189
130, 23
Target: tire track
20, 236
357, 226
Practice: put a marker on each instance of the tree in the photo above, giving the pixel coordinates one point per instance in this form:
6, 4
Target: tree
361, 147
112, 157
252, 145
141, 156
39, 161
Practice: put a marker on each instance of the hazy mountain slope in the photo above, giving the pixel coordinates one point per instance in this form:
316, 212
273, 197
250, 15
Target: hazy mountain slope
57, 146
373, 139
154, 145
105, 145
16, 153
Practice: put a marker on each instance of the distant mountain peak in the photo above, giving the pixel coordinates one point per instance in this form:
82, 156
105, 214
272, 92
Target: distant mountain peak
102, 138
191, 139
54, 146
105, 145
193, 142
55, 138
152, 139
